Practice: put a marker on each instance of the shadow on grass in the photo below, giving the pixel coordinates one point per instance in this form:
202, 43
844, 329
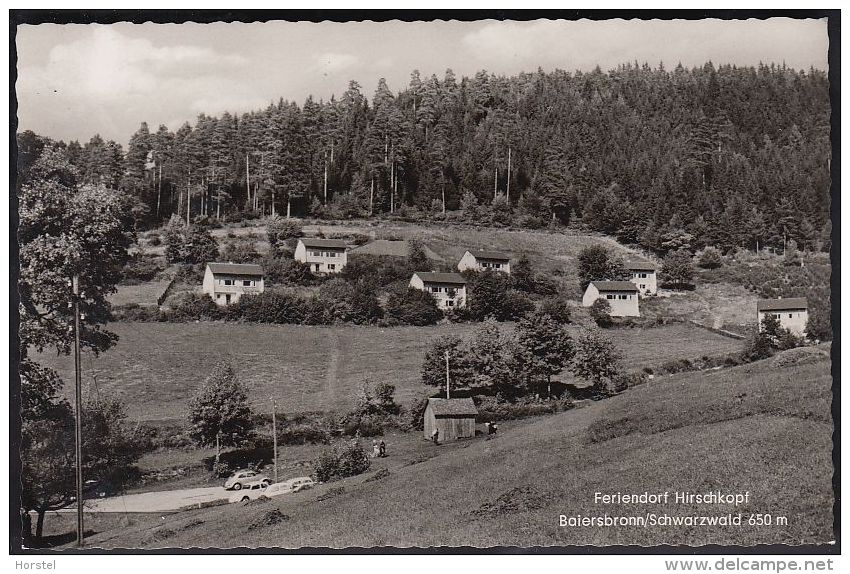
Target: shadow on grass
55, 540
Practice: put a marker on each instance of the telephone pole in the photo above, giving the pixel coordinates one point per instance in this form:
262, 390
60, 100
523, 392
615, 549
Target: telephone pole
78, 415
448, 380
274, 435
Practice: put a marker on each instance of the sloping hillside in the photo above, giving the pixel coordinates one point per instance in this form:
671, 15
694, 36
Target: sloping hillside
758, 428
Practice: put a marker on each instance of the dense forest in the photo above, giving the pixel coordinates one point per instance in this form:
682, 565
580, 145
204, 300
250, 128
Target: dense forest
727, 156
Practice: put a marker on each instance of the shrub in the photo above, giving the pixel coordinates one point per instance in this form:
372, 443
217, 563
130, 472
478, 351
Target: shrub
596, 263
304, 429
677, 270
195, 307
282, 271
600, 312
710, 258
340, 462
497, 409
270, 306
413, 307
557, 307
154, 240
490, 295
414, 415
279, 229
240, 252
140, 268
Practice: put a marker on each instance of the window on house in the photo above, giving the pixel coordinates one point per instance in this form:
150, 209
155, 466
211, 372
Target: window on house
247, 283
450, 303
642, 286
228, 281
331, 266
609, 296
790, 315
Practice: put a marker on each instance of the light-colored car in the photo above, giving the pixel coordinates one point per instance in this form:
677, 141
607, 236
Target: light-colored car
249, 491
289, 486
241, 477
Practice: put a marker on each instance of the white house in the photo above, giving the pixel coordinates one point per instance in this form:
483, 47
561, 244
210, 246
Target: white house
449, 289
322, 255
793, 313
483, 260
644, 276
227, 282
621, 295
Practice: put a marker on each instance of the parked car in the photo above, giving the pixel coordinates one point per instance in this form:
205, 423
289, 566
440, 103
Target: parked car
290, 486
239, 478
249, 491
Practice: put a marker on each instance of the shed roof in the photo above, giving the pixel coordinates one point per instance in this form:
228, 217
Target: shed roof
452, 407
615, 286
328, 243
434, 277
496, 255
782, 304
640, 265
236, 269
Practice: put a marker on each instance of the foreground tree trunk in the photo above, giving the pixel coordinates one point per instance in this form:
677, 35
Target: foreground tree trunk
39, 524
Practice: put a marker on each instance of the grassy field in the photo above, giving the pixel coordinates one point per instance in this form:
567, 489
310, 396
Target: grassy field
756, 428
156, 367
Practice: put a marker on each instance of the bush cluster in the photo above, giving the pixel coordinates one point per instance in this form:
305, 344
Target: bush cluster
499, 409
349, 459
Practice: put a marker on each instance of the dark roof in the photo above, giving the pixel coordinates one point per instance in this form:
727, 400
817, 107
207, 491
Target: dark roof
391, 248
781, 304
452, 407
615, 285
329, 243
236, 269
433, 277
640, 265
497, 255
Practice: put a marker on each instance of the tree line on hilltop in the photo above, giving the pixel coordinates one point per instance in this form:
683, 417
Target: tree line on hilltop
713, 155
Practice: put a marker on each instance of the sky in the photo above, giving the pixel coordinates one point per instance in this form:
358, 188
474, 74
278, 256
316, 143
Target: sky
75, 81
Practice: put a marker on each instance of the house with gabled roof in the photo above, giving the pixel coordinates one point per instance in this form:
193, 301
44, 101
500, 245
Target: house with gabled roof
792, 313
480, 260
226, 283
644, 275
622, 296
322, 255
449, 289
451, 418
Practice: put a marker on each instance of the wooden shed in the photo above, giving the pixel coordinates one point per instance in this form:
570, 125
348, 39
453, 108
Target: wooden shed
453, 418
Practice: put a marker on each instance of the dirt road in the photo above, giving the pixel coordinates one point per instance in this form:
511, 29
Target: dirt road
162, 501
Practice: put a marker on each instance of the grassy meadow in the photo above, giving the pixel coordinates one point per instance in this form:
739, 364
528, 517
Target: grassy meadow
760, 428
156, 367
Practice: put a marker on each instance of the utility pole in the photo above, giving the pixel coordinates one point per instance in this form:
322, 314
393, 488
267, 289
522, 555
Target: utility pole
247, 179
159, 190
371, 195
444, 195
78, 415
274, 435
188, 196
508, 192
326, 178
392, 184
448, 380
